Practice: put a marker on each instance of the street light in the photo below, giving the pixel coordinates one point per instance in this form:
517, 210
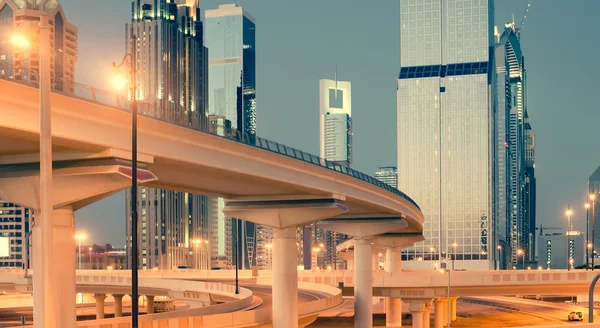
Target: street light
499, 247
79, 237
587, 237
119, 81
453, 256
520, 252
90, 252
569, 212
593, 199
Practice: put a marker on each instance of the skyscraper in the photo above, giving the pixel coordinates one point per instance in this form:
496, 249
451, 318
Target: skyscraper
231, 39
335, 108
446, 128
23, 64
388, 174
515, 142
172, 76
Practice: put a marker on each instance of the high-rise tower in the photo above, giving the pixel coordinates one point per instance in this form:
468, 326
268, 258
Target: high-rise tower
172, 84
446, 128
231, 38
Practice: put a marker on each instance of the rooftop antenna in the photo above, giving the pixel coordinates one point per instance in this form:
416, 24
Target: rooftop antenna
335, 76
523, 20
513, 20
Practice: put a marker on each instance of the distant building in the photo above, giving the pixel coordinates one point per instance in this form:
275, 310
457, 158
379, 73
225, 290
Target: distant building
15, 223
388, 174
529, 191
114, 259
231, 38
172, 74
552, 250
23, 64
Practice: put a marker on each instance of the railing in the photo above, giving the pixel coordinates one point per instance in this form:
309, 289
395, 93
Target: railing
175, 114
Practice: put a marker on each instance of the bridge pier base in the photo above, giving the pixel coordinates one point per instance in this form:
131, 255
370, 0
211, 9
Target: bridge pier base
54, 283
438, 316
427, 317
363, 279
285, 279
393, 305
418, 309
118, 305
149, 304
453, 308
100, 305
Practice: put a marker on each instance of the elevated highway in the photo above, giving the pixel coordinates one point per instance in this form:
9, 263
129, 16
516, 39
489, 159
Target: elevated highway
262, 181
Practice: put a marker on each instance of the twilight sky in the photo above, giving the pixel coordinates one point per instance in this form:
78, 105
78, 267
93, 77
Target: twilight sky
299, 42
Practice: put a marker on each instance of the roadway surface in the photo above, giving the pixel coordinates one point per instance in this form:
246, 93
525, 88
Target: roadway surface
556, 312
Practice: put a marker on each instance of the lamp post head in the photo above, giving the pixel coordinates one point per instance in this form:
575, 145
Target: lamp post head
587, 205
499, 247
592, 196
119, 81
569, 212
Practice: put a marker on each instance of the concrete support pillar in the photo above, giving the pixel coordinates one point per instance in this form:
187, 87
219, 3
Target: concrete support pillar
393, 312
438, 314
445, 311
150, 304
393, 306
453, 308
100, 305
375, 262
417, 310
285, 279
427, 317
118, 305
363, 281
55, 281
350, 264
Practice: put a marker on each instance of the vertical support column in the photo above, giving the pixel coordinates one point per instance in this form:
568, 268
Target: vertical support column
47, 282
100, 305
438, 315
375, 261
118, 305
445, 310
453, 307
363, 281
350, 264
427, 317
417, 311
393, 305
150, 304
285, 279
62, 275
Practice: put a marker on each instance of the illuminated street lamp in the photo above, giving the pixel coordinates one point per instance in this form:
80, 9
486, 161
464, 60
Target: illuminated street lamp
79, 237
569, 212
90, 252
587, 237
519, 253
119, 81
499, 247
592, 197
453, 255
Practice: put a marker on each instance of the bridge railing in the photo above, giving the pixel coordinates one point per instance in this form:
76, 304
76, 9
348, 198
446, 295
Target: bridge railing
169, 111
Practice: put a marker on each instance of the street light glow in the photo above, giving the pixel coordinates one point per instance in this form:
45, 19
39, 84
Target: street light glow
80, 236
119, 81
499, 247
587, 205
569, 212
520, 251
592, 196
454, 244
20, 41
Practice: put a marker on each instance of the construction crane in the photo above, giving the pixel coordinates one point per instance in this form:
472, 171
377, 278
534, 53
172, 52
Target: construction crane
522, 20
541, 229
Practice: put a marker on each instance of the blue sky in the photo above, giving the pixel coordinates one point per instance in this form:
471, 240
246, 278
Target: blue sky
300, 42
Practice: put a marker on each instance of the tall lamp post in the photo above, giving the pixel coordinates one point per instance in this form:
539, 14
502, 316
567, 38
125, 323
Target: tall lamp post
120, 81
453, 255
569, 212
519, 253
79, 237
587, 236
499, 256
593, 199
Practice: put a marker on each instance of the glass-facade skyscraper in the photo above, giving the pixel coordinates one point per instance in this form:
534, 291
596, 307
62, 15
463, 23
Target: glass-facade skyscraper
172, 85
388, 174
516, 152
446, 128
231, 40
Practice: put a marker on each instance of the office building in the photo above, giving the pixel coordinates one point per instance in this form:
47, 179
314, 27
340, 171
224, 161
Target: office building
172, 85
388, 174
23, 64
98, 258
516, 148
15, 224
552, 250
594, 188
231, 39
446, 129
